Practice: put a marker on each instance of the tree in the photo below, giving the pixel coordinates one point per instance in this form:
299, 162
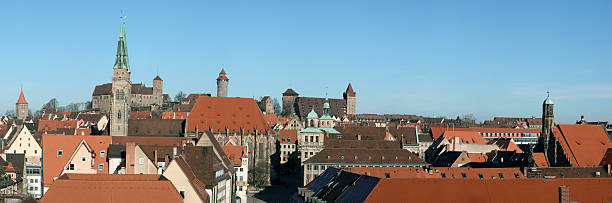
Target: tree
52, 104
179, 96
257, 175
467, 120
11, 113
277, 107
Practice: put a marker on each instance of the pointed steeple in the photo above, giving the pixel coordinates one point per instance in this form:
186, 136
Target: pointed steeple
121, 60
21, 99
349, 91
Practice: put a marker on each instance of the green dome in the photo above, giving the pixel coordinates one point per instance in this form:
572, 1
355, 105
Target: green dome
326, 117
326, 105
312, 114
548, 101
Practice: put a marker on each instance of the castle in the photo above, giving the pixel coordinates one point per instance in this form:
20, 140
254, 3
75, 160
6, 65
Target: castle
293, 104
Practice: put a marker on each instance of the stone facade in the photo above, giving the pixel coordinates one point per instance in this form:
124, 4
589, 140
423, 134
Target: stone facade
21, 108
121, 89
222, 83
300, 106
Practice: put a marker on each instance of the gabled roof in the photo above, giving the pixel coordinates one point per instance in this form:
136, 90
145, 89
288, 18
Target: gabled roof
231, 113
54, 164
139, 140
540, 159
364, 132
465, 137
106, 89
196, 184
287, 136
111, 188
506, 144
235, 154
584, 144
306, 104
21, 99
157, 78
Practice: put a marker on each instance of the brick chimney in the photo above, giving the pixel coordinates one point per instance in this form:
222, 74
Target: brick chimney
564, 194
130, 150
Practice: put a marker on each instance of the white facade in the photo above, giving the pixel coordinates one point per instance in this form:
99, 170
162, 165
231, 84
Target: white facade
34, 179
24, 143
242, 176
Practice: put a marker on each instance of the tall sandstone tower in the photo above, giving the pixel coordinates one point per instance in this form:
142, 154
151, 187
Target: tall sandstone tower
350, 96
121, 88
222, 82
21, 108
548, 127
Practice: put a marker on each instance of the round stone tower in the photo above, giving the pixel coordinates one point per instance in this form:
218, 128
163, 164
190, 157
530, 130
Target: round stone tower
222, 82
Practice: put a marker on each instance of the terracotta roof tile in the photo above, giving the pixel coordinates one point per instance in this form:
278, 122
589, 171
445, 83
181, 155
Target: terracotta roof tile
140, 115
366, 156
112, 188
465, 137
540, 159
287, 136
235, 154
167, 141
473, 190
54, 164
436, 172
174, 115
585, 144
156, 127
21, 99
221, 113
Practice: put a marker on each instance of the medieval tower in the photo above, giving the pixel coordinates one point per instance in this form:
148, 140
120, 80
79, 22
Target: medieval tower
548, 127
222, 82
21, 108
121, 88
350, 96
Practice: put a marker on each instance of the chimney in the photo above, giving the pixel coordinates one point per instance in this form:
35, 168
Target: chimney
174, 152
358, 137
130, 150
155, 157
564, 193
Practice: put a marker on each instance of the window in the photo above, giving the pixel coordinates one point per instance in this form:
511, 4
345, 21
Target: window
83, 159
70, 167
182, 192
102, 153
141, 161
443, 175
316, 138
501, 175
516, 175
59, 153
480, 176
241, 169
240, 178
35, 151
463, 175
239, 188
100, 167
387, 175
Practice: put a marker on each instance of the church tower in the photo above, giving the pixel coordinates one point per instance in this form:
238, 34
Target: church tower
222, 82
548, 127
350, 97
121, 88
21, 108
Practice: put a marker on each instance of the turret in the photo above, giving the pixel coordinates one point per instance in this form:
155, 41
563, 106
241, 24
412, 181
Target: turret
21, 108
222, 83
158, 85
350, 96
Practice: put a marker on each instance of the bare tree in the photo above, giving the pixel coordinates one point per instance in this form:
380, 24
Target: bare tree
179, 96
11, 113
52, 104
277, 107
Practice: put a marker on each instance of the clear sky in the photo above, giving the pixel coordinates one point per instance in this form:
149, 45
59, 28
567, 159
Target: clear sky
438, 58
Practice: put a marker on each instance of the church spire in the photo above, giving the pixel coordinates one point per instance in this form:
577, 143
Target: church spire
121, 60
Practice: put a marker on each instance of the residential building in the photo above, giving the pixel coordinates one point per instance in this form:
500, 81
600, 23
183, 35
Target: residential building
355, 157
288, 144
25, 143
33, 178
111, 188
237, 155
73, 154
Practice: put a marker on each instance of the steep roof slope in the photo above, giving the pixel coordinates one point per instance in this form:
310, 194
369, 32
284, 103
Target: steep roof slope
219, 113
585, 144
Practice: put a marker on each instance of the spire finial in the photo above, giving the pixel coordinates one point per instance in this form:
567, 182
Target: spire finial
547, 93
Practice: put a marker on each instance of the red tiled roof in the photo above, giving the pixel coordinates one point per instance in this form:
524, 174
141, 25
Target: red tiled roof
438, 131
584, 144
54, 164
138, 140
235, 154
436, 172
53, 125
477, 157
10, 168
222, 71
157, 78
465, 137
174, 115
271, 119
474, 190
506, 144
540, 159
607, 159
140, 114
21, 99
111, 188
231, 113
287, 136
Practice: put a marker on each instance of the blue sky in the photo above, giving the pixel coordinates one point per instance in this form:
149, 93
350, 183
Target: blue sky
434, 58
